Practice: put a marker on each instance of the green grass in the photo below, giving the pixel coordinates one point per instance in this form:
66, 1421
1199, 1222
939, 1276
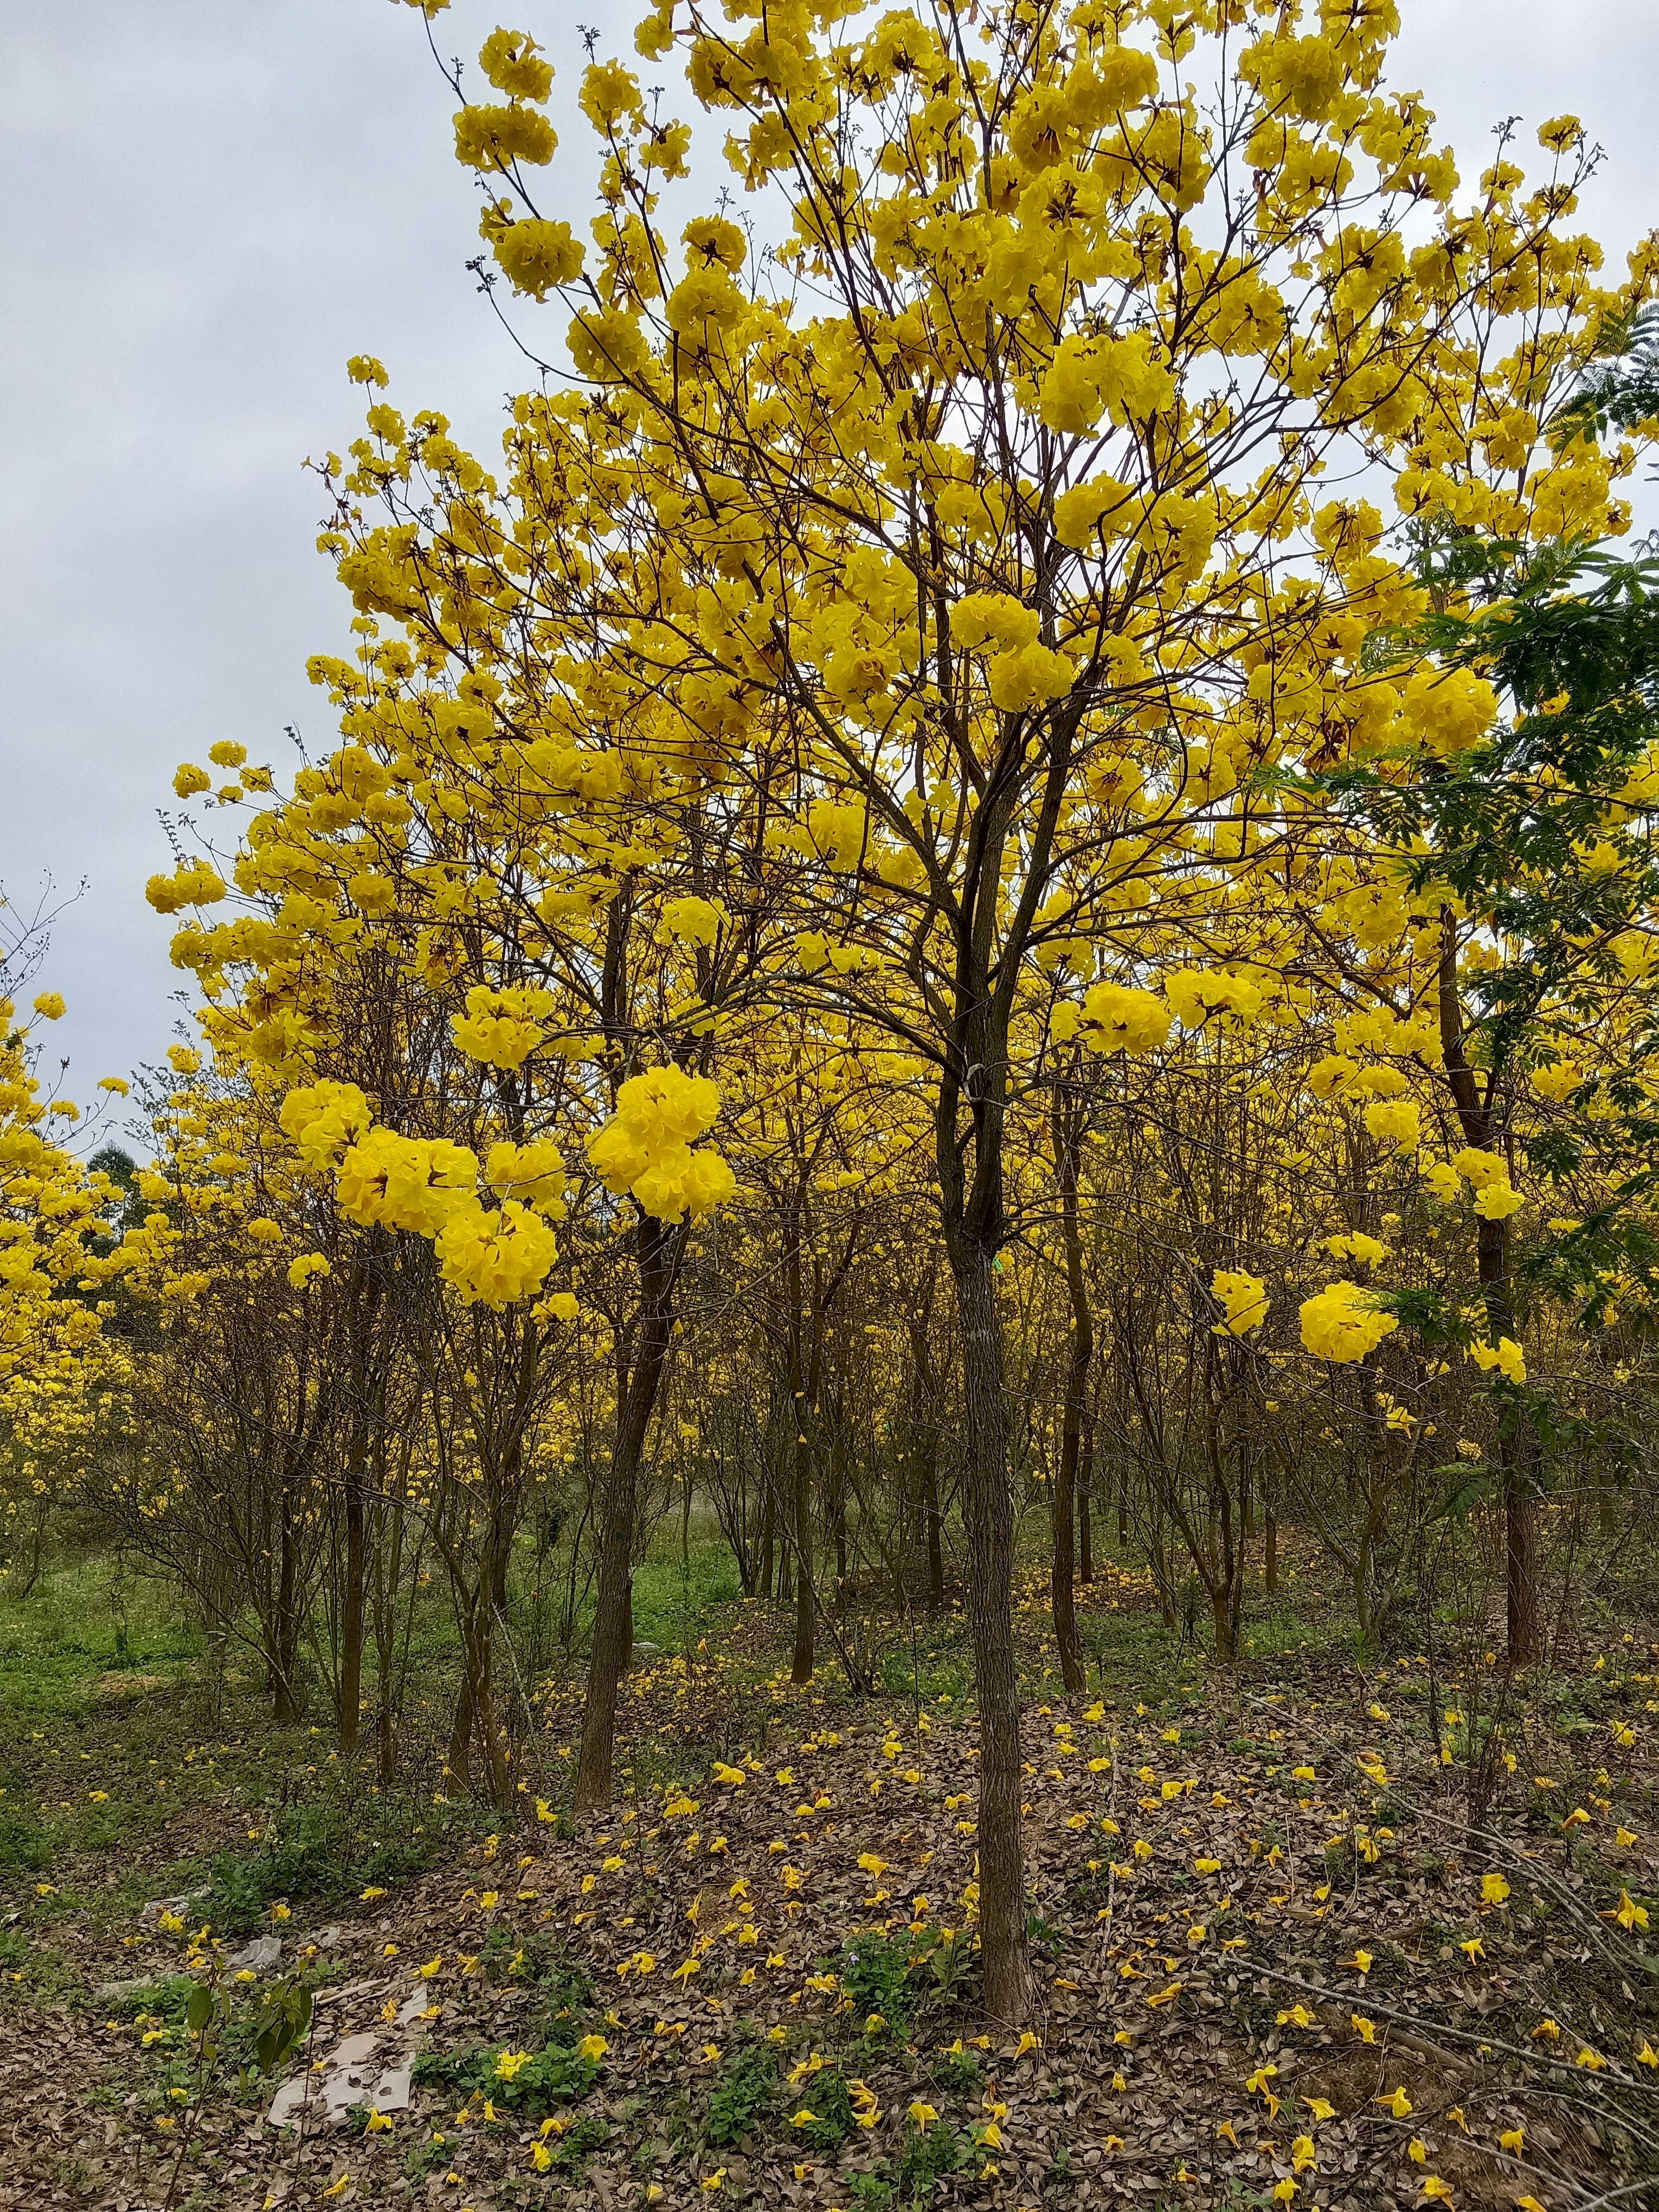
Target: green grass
133, 1765
678, 1602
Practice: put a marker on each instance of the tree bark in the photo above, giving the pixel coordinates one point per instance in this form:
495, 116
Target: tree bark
284, 1643
801, 1659
1517, 1457
367, 1394
1067, 1124
924, 1426
613, 1618
1085, 1491
989, 1517
352, 1606
801, 1413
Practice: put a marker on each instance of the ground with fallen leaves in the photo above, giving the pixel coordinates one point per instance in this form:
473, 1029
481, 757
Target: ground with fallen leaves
1307, 1933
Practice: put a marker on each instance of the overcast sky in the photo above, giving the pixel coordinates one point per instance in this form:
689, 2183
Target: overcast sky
208, 204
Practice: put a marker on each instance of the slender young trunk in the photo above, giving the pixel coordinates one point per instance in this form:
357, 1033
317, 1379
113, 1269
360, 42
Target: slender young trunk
1521, 1573
1066, 1124
1163, 1568
768, 1524
1224, 1581
1224, 1623
1085, 1491
988, 1517
969, 1128
352, 1597
1517, 1447
935, 1530
387, 1576
37, 1554
800, 1668
458, 1758
478, 1659
386, 1719
1063, 1565
613, 1618
838, 1508
1270, 1533
285, 1637
801, 1413
352, 1608
926, 1423
1517, 1444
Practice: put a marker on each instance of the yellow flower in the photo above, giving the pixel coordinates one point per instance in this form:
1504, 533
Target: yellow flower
1243, 1300
1342, 1323
1505, 1356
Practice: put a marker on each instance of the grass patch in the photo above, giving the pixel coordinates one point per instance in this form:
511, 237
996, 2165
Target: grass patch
745, 2095
533, 2082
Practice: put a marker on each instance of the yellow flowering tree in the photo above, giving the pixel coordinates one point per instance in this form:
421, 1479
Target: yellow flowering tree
970, 545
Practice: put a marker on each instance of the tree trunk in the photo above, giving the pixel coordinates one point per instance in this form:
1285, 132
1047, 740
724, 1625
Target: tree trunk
801, 1414
988, 1518
457, 1760
1520, 1572
768, 1524
1085, 1490
1066, 1123
284, 1642
1123, 1501
352, 1598
364, 1392
1223, 1615
1516, 1444
613, 1618
926, 1426
1063, 1567
800, 1668
935, 1530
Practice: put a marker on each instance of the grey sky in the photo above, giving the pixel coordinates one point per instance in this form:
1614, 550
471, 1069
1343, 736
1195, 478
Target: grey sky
208, 204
